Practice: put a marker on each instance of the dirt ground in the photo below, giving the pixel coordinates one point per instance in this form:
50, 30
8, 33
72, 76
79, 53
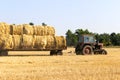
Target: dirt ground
39, 65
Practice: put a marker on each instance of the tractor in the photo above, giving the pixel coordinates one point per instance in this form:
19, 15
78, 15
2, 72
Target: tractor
88, 45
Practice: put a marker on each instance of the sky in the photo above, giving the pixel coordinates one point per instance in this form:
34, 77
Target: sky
98, 16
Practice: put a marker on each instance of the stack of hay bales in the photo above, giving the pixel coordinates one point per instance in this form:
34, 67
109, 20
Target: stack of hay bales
6, 41
27, 37
17, 35
44, 37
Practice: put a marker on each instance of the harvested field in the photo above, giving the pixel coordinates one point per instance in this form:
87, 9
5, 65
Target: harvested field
40, 66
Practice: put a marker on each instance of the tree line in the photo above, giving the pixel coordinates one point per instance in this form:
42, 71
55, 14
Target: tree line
112, 39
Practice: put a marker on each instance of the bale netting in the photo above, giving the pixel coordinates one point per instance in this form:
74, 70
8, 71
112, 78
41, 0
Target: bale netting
44, 30
6, 42
60, 42
16, 29
4, 28
28, 42
17, 40
40, 42
27, 29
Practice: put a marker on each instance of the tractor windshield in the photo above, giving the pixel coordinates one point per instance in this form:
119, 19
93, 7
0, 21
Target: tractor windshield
89, 39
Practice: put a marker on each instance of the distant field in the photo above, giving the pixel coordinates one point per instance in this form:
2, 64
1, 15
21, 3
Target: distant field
33, 65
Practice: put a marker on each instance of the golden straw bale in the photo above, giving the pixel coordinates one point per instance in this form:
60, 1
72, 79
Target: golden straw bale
50, 42
50, 31
7, 28
27, 29
44, 30
60, 42
39, 30
6, 41
40, 42
28, 41
4, 28
17, 40
16, 29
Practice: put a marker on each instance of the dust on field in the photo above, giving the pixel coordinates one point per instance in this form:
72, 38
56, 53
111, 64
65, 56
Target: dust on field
33, 65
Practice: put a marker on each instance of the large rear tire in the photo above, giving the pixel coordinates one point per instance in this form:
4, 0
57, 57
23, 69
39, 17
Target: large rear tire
87, 50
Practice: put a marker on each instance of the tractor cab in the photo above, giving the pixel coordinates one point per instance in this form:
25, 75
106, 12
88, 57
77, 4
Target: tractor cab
88, 45
86, 39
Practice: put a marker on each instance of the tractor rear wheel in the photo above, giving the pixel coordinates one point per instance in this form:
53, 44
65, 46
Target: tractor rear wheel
87, 50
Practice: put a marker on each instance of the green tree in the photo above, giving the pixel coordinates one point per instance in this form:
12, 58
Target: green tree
81, 31
71, 38
105, 39
113, 38
118, 39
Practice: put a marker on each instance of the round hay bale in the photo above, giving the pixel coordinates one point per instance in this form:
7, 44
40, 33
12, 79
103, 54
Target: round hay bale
6, 42
39, 30
27, 29
50, 31
60, 42
51, 44
17, 40
44, 30
28, 42
40, 42
4, 28
16, 29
